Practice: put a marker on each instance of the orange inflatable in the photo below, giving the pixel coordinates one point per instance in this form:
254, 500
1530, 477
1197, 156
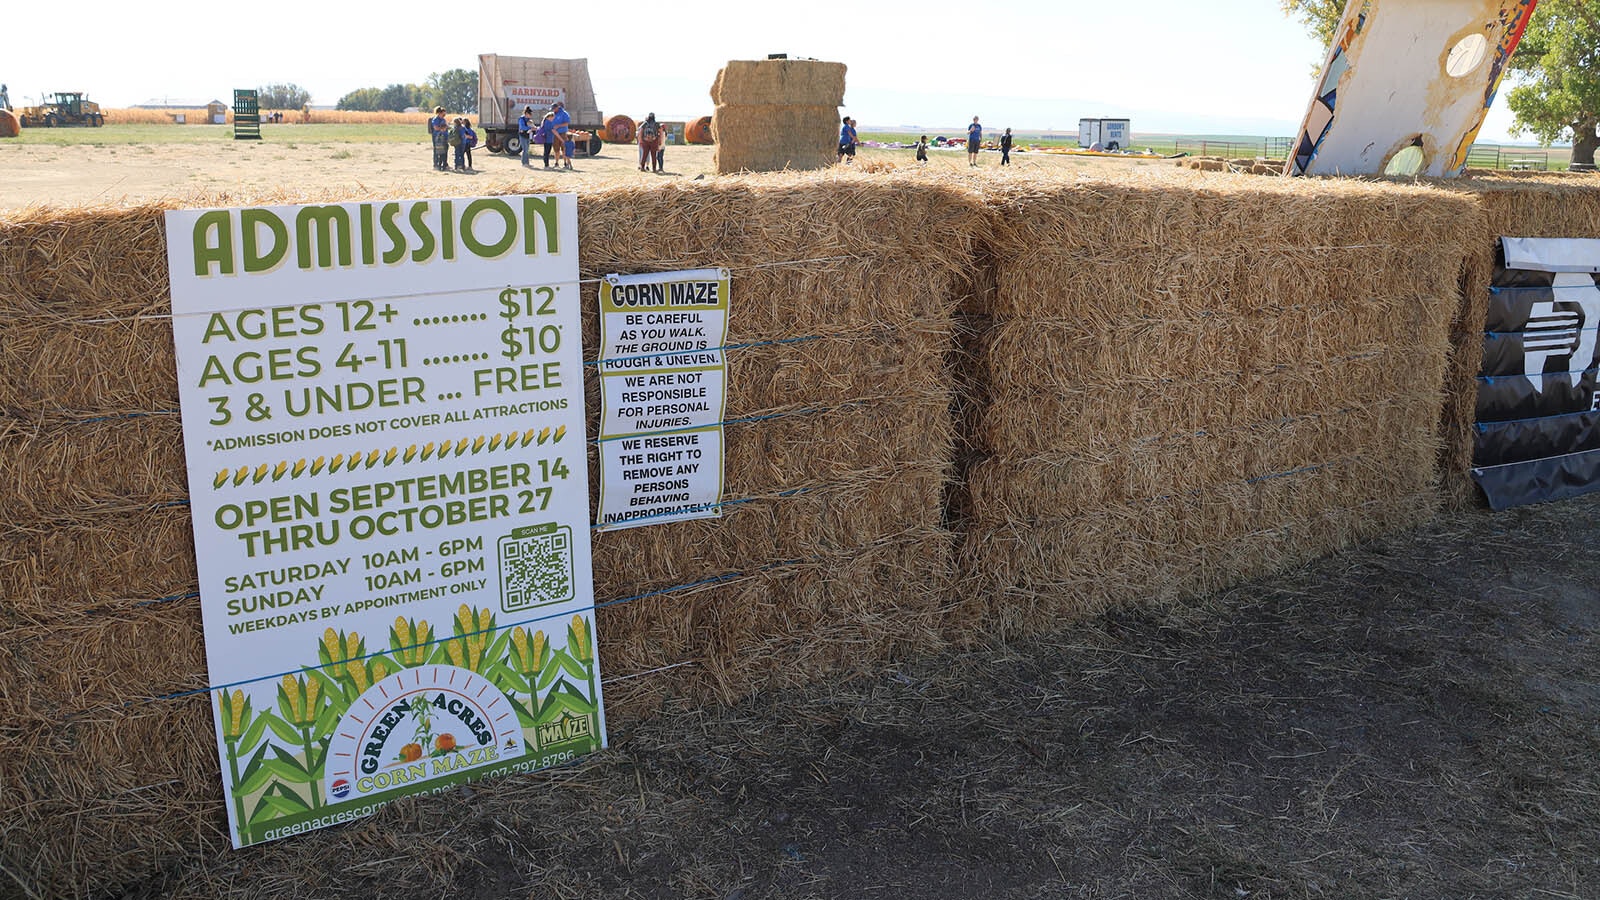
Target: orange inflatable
10, 126
619, 129
698, 131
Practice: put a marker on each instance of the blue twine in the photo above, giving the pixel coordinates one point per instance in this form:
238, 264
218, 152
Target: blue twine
1486, 427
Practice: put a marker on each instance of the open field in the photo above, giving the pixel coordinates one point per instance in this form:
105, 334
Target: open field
129, 163
117, 164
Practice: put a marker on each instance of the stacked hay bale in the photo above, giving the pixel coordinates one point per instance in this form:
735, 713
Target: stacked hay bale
776, 114
96, 561
1514, 205
830, 555
1188, 380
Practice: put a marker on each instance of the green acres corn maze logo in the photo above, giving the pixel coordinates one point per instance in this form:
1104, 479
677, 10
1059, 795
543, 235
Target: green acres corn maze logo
366, 726
418, 725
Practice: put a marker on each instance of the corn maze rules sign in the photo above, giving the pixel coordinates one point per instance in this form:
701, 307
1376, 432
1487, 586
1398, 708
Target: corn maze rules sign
383, 420
663, 388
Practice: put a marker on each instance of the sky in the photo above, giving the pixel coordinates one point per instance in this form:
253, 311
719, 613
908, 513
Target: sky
1172, 66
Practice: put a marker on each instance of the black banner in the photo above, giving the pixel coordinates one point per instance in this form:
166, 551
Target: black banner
1538, 432
1503, 398
1538, 480
1499, 443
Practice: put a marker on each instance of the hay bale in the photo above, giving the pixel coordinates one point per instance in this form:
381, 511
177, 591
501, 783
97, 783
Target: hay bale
776, 114
698, 131
779, 82
620, 129
774, 138
1221, 377
1165, 549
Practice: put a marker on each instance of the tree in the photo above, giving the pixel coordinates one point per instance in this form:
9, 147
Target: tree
455, 90
282, 96
1556, 93
399, 97
361, 99
1320, 17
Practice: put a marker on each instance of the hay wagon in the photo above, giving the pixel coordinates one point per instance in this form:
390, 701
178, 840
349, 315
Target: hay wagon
507, 84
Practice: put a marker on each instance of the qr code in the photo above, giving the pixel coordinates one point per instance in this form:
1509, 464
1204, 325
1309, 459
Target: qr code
536, 566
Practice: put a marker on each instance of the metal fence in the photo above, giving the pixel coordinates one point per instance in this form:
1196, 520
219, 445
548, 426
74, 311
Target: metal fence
1518, 159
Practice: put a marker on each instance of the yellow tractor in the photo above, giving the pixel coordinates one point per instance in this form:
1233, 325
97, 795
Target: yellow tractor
70, 108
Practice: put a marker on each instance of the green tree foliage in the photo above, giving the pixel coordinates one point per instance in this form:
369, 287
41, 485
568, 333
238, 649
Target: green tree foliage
1557, 95
394, 98
1320, 17
399, 97
361, 99
455, 90
1555, 71
282, 96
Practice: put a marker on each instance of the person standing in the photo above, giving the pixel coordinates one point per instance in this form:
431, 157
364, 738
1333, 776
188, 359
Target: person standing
974, 141
525, 129
1005, 148
922, 150
847, 140
545, 135
650, 141
469, 139
457, 145
439, 132
562, 122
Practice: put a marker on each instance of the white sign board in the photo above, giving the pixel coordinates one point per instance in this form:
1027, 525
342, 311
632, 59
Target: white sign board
384, 427
663, 389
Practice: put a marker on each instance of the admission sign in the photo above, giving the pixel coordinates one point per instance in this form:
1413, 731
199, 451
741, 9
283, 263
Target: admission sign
383, 420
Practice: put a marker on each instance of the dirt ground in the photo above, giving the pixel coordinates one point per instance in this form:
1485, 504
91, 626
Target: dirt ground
118, 174
1415, 718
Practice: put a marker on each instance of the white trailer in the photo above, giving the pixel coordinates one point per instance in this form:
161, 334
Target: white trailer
508, 84
1110, 134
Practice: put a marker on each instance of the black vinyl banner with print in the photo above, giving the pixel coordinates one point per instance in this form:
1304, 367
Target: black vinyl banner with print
1538, 429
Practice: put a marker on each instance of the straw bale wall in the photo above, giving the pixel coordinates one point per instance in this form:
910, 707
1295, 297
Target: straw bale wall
776, 114
830, 556
1067, 395
1188, 380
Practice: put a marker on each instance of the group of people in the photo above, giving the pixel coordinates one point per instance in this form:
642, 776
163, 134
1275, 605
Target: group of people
451, 135
652, 145
975, 143
552, 131
848, 139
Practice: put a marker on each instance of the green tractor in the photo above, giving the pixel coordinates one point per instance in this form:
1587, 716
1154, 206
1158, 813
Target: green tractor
66, 108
